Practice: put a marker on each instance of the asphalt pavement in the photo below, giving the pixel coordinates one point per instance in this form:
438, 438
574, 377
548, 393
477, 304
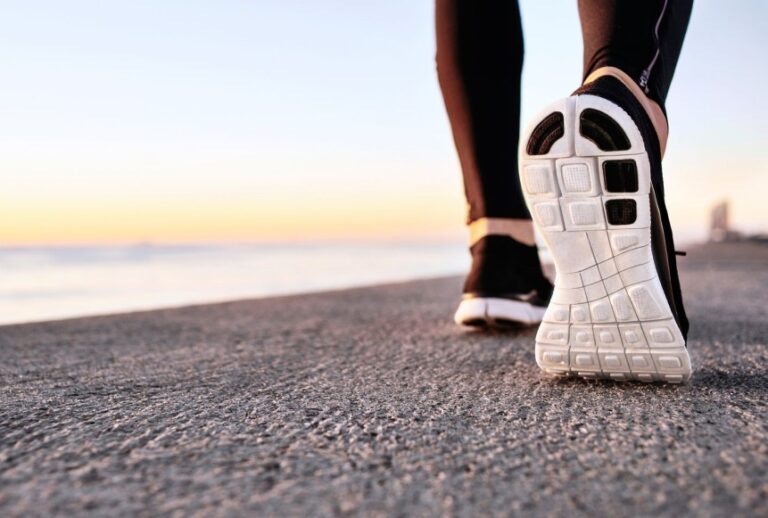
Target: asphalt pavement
372, 402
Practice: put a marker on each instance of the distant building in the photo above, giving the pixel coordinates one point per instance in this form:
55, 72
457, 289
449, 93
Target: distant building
718, 231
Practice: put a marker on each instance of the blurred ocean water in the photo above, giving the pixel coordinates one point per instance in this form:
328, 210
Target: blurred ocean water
43, 283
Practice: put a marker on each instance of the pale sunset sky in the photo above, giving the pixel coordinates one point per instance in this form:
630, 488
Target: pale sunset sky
285, 120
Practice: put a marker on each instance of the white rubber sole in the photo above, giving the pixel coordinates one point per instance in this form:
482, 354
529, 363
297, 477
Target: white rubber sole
608, 317
495, 312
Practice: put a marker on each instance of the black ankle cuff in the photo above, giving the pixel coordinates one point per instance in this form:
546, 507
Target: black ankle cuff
610, 88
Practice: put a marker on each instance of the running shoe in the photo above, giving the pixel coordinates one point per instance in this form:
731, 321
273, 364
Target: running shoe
505, 287
591, 175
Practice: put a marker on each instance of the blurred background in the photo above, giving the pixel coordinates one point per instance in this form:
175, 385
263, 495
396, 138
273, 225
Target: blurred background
165, 153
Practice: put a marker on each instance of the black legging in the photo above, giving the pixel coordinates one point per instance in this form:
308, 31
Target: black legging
480, 60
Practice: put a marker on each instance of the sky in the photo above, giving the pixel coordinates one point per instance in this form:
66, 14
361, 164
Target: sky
296, 120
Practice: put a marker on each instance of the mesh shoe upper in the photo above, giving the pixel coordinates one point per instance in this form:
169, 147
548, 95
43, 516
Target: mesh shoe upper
505, 268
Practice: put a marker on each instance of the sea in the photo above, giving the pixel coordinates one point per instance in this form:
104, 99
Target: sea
48, 283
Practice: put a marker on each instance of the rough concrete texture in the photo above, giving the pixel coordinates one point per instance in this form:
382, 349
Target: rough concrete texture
370, 401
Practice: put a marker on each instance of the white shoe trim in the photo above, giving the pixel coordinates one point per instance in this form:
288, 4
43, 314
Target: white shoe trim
497, 312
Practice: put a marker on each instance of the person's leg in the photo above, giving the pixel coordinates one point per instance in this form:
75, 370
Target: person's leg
479, 63
639, 43
592, 177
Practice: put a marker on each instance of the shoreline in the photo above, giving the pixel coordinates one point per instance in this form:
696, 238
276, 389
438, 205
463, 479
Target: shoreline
213, 303
708, 253
56, 284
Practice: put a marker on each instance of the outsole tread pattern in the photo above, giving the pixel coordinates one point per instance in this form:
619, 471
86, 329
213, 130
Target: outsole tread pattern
589, 198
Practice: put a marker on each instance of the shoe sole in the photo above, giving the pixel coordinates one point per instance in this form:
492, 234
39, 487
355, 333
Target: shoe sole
497, 312
586, 180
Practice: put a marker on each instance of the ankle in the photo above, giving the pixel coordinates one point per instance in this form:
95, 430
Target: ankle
652, 108
521, 230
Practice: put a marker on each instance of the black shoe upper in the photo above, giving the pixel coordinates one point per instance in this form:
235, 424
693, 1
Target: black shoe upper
505, 268
662, 242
